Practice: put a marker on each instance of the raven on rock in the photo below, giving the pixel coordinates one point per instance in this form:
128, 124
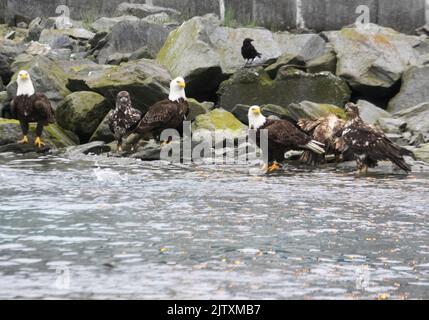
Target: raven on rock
248, 51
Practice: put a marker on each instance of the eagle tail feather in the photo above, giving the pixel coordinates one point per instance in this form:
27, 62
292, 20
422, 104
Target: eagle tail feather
409, 153
400, 162
316, 147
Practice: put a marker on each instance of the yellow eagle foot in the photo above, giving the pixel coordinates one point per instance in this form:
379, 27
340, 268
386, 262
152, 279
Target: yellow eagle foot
274, 167
24, 140
39, 143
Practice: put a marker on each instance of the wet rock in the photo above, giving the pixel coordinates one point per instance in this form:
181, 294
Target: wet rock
53, 135
47, 76
416, 119
204, 52
162, 19
146, 81
150, 151
240, 111
96, 147
103, 133
371, 113
373, 59
414, 89
81, 113
56, 39
143, 10
59, 54
129, 36
255, 87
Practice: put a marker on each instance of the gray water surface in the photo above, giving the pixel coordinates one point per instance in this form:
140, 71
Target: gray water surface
121, 228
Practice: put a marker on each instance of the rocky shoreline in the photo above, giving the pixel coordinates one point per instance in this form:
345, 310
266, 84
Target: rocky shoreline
81, 67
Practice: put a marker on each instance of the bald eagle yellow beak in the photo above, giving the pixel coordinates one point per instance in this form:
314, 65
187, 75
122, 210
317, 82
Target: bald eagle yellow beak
24, 76
257, 111
182, 84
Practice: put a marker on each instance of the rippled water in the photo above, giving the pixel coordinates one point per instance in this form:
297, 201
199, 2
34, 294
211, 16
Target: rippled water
119, 228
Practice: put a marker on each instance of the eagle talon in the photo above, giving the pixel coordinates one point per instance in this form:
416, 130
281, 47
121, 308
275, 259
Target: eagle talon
39, 143
24, 140
274, 167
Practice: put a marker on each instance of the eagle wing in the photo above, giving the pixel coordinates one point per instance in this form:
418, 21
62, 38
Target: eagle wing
286, 134
373, 144
42, 109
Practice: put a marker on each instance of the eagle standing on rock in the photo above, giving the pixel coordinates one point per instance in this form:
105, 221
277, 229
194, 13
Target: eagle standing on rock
248, 51
368, 145
166, 114
283, 136
323, 130
29, 106
124, 119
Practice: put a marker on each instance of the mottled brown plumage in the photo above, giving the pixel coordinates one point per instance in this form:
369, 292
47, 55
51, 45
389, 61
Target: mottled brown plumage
323, 130
367, 145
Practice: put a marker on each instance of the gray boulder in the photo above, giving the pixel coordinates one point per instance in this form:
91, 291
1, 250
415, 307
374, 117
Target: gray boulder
81, 113
374, 58
204, 52
145, 80
370, 113
414, 89
129, 36
255, 87
416, 118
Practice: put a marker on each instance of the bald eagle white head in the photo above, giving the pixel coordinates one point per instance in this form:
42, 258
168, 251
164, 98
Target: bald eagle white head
256, 118
25, 86
177, 89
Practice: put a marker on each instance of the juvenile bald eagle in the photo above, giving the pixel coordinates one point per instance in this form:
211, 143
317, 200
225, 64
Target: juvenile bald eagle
248, 51
29, 106
367, 145
323, 130
124, 119
166, 114
283, 136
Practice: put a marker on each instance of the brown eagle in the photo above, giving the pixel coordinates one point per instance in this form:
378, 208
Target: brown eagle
283, 136
29, 106
124, 119
367, 145
166, 114
323, 130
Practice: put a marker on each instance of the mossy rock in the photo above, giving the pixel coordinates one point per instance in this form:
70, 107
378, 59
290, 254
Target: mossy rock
81, 113
217, 124
254, 86
53, 135
195, 109
145, 80
103, 133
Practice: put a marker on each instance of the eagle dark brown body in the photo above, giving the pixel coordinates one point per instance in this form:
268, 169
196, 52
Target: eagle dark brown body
35, 108
163, 115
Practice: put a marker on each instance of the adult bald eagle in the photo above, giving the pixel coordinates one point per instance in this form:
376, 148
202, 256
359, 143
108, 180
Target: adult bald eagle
323, 130
367, 145
166, 114
248, 51
29, 106
283, 136
124, 119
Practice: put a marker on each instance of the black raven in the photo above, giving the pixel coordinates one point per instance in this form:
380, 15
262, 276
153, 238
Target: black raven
248, 50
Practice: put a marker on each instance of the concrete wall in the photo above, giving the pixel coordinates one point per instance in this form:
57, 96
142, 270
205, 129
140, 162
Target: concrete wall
403, 15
